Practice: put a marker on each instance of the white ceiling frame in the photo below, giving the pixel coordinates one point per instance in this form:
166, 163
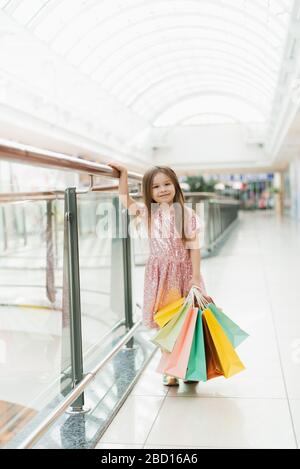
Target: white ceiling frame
236, 37
234, 65
207, 92
263, 39
125, 61
146, 3
220, 79
181, 122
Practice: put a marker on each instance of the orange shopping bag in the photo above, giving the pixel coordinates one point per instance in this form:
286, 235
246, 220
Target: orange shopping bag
213, 366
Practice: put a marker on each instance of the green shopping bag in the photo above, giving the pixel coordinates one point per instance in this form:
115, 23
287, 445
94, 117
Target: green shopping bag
196, 370
166, 337
234, 333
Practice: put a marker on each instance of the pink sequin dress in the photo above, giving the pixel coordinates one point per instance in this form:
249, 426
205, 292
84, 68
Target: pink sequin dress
168, 270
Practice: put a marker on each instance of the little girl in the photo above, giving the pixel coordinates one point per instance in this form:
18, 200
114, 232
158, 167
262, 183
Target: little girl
173, 229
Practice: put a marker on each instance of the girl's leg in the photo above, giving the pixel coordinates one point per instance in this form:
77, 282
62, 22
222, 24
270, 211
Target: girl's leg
169, 380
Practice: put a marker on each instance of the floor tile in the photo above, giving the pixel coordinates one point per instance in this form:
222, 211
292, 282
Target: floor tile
134, 420
244, 423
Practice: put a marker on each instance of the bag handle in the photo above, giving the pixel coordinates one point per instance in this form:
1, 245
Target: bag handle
189, 299
202, 301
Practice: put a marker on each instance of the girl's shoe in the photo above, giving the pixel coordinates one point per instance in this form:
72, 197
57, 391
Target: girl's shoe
190, 382
170, 381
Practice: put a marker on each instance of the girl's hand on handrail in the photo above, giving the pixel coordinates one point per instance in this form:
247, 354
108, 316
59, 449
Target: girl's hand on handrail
127, 201
122, 169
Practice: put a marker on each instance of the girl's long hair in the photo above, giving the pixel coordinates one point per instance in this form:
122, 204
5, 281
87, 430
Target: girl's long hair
180, 221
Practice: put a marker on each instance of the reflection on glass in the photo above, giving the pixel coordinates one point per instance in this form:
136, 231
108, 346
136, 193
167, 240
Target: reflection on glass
33, 353
101, 269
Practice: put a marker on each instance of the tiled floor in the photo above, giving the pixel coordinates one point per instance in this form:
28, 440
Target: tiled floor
255, 279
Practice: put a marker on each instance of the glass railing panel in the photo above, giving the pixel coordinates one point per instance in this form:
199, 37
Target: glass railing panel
101, 250
34, 325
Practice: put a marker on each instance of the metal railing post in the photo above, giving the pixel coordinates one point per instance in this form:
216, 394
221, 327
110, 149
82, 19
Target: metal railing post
50, 283
4, 227
74, 293
24, 226
207, 226
127, 275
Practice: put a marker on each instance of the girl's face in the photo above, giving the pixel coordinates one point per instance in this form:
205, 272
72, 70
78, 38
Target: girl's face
163, 189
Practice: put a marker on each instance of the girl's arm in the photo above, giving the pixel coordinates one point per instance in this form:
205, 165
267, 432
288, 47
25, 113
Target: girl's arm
193, 244
124, 196
195, 258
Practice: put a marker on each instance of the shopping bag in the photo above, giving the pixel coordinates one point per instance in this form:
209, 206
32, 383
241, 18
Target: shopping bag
213, 366
166, 313
176, 362
196, 370
166, 337
234, 333
227, 356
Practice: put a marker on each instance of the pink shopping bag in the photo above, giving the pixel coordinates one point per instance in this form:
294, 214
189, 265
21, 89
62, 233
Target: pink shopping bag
176, 362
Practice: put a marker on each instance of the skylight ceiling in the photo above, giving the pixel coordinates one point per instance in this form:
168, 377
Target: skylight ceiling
170, 61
